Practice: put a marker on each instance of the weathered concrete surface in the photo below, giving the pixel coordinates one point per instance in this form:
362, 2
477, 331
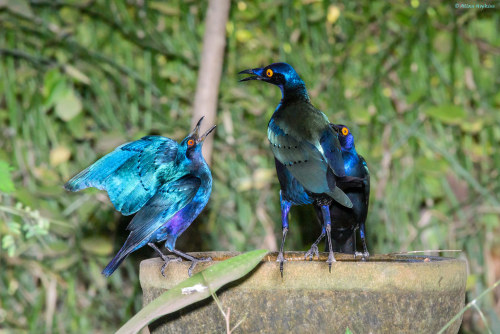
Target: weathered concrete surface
387, 294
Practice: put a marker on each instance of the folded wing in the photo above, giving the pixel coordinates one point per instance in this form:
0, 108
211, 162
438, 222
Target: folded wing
307, 163
169, 199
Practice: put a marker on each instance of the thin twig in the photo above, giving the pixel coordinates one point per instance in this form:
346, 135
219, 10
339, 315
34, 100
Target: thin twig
483, 318
130, 36
469, 305
38, 61
228, 326
428, 251
84, 53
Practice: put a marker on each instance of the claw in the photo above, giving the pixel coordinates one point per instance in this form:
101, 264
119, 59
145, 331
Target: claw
195, 262
312, 252
166, 261
331, 259
281, 260
364, 255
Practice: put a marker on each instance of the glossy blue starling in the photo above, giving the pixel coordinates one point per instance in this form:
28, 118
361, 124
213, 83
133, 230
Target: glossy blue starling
347, 221
306, 149
165, 183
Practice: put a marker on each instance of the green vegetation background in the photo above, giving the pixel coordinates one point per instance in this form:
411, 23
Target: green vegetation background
417, 83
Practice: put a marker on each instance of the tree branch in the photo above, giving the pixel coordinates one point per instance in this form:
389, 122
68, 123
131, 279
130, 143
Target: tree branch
212, 59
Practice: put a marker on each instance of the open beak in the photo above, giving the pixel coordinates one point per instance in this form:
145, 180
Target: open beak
256, 74
204, 136
196, 131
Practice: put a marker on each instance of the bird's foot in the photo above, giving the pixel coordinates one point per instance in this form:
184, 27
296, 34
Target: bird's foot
166, 261
330, 260
195, 262
313, 251
364, 255
281, 259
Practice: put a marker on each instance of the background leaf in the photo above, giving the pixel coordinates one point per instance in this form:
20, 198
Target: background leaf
448, 114
6, 183
68, 105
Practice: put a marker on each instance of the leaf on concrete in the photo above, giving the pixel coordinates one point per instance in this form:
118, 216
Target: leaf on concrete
200, 286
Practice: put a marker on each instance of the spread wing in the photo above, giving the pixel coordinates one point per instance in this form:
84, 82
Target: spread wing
130, 174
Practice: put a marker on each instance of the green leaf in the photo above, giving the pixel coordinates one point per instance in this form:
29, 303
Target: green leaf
447, 113
54, 88
347, 330
194, 289
164, 8
20, 7
97, 245
76, 74
6, 184
68, 106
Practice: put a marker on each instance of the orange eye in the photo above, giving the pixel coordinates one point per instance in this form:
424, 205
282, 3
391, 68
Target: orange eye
269, 72
345, 131
190, 142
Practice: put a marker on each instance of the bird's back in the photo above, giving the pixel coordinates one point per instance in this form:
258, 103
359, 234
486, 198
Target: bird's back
355, 166
302, 140
301, 120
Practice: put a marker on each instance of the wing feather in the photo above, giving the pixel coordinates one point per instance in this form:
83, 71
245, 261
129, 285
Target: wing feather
129, 174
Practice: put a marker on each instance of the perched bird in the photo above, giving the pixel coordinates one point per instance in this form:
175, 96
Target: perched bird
306, 148
166, 183
347, 221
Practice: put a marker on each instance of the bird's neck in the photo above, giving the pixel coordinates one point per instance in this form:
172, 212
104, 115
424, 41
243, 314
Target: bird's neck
351, 160
206, 175
295, 91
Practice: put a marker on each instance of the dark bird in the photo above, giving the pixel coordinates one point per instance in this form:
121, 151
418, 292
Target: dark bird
347, 221
306, 148
166, 183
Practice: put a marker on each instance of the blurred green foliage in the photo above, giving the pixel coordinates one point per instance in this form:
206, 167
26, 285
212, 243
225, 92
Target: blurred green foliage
417, 83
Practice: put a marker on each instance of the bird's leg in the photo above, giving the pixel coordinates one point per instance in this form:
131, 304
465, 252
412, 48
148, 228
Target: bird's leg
164, 257
194, 261
285, 209
281, 258
314, 248
365, 253
325, 210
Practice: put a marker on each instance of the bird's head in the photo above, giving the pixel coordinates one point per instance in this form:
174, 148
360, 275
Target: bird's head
346, 138
280, 74
193, 142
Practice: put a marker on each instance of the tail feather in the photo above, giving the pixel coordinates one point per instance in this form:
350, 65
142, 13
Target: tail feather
115, 263
338, 195
130, 245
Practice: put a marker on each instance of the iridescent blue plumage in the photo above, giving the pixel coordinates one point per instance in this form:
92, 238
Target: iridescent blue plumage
306, 149
165, 183
348, 220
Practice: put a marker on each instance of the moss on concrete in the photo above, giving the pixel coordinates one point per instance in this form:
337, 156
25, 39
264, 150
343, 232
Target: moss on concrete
387, 294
